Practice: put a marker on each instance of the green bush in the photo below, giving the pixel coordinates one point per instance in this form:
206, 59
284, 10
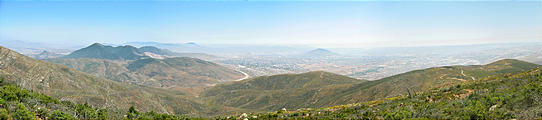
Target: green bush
21, 113
85, 111
4, 115
59, 115
101, 114
42, 112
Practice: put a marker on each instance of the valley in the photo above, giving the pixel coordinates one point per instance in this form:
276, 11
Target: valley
211, 89
270, 59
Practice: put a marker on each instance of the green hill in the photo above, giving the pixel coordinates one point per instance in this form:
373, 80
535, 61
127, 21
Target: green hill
169, 72
421, 80
266, 92
505, 96
278, 91
69, 84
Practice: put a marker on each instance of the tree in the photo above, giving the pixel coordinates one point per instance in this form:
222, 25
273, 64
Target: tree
132, 113
85, 111
21, 113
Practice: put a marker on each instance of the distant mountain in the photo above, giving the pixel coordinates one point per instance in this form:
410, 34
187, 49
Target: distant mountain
225, 49
34, 48
192, 44
69, 84
46, 55
190, 47
168, 72
141, 44
156, 50
318, 53
278, 91
127, 52
100, 51
168, 53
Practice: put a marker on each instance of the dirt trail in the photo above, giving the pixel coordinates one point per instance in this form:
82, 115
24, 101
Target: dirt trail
463, 73
246, 76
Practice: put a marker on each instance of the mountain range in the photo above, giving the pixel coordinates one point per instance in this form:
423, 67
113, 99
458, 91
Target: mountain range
117, 82
127, 52
503, 96
69, 84
136, 66
189, 47
293, 91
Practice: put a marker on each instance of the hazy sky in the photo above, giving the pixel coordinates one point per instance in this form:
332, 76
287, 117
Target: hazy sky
320, 24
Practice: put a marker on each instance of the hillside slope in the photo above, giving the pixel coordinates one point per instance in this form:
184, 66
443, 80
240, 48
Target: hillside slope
261, 93
278, 91
420, 80
168, 72
69, 84
505, 96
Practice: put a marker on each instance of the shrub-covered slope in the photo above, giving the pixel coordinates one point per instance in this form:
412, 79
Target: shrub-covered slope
269, 93
20, 104
506, 96
278, 91
169, 72
421, 80
69, 84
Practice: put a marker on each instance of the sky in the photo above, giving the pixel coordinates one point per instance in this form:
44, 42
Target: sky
314, 23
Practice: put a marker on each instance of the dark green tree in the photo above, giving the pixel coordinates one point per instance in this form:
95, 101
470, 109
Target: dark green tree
132, 113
